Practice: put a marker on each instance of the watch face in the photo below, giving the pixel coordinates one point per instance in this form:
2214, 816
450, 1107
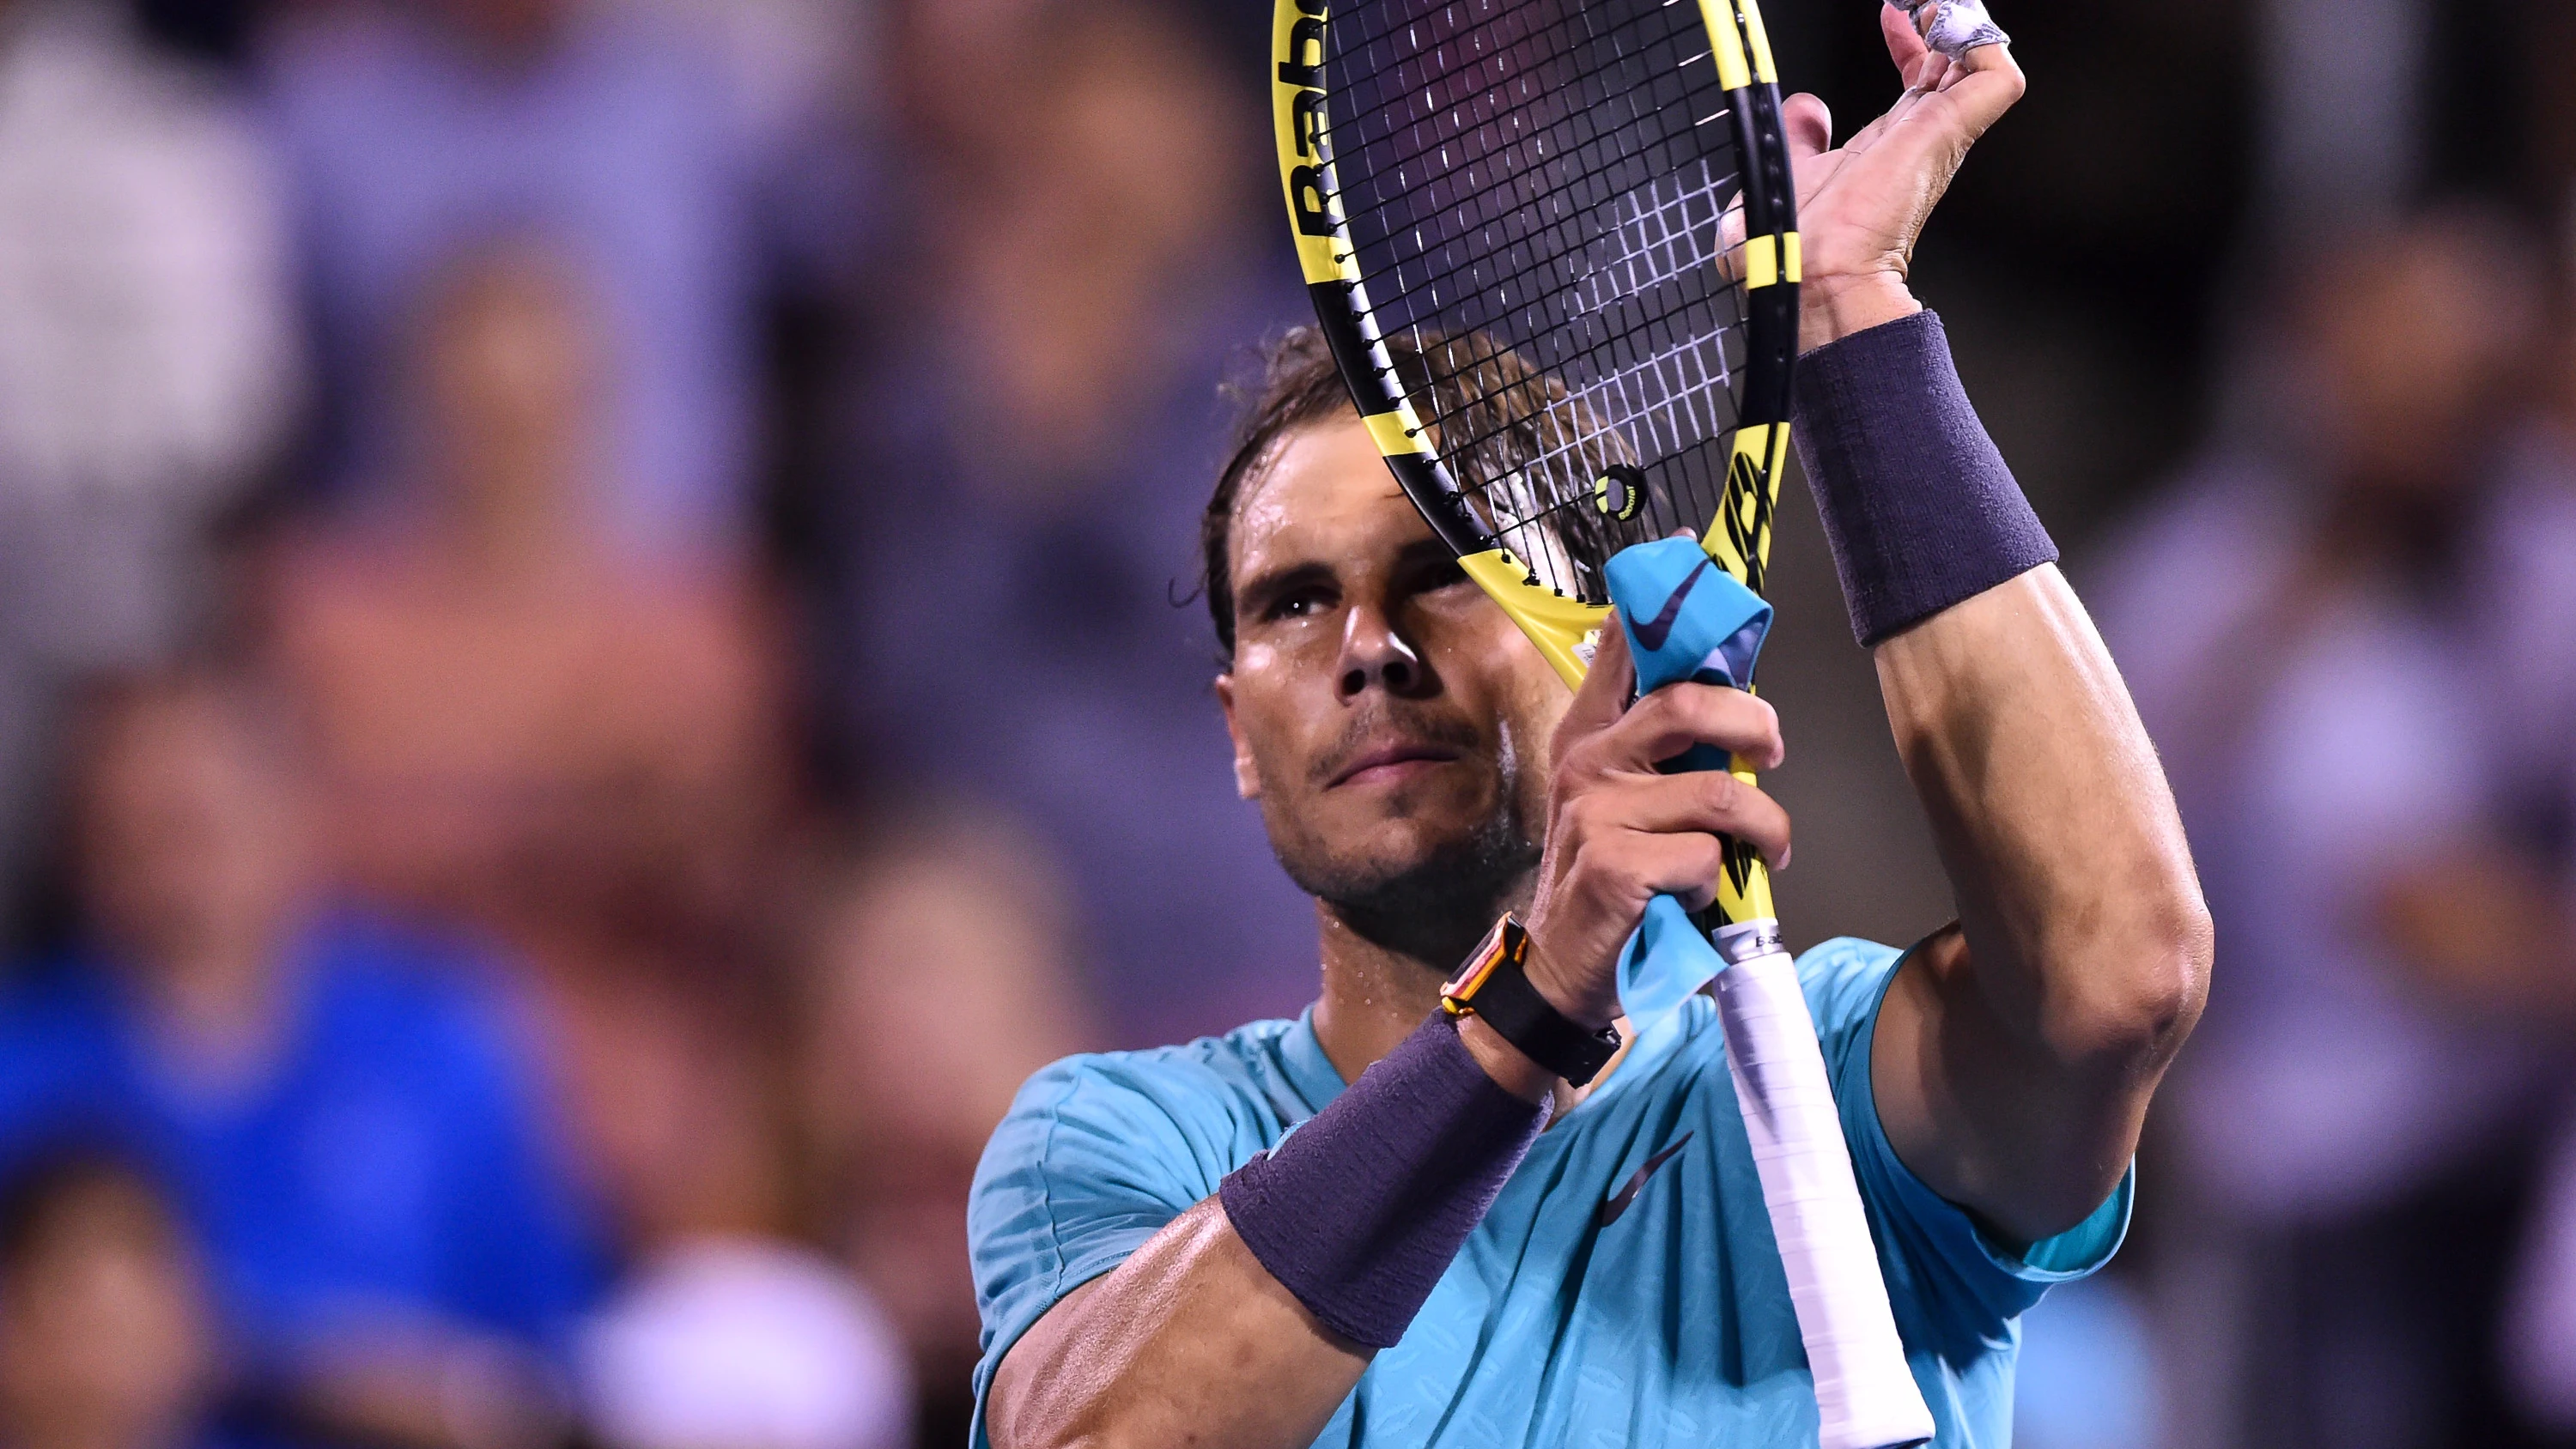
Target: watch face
1488, 954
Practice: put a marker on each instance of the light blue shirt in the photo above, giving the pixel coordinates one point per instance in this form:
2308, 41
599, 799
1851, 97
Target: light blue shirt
1668, 1324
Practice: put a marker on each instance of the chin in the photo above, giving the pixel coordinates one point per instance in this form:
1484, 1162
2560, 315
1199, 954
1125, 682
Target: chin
1435, 811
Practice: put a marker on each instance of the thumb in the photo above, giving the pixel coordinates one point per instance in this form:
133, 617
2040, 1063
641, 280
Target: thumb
1809, 124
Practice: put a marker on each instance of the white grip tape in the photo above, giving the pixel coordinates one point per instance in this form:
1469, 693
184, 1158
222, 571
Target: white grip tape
1865, 1394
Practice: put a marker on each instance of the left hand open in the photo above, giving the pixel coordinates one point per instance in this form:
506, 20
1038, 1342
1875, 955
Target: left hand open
1861, 206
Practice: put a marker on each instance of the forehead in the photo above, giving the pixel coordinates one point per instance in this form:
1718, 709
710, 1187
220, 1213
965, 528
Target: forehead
1326, 498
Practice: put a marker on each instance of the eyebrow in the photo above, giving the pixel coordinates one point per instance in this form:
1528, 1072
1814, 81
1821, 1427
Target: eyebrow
1423, 551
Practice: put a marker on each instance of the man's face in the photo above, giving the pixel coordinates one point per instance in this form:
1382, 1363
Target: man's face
191, 842
1391, 721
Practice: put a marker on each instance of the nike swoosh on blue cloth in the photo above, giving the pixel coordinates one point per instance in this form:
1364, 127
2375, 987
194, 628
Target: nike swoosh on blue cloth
1656, 630
1618, 1203
1714, 637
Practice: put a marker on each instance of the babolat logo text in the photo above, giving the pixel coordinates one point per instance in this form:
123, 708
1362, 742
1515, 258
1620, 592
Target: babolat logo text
1301, 65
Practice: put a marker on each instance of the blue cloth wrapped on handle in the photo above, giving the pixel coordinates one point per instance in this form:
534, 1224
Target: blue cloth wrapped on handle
1686, 620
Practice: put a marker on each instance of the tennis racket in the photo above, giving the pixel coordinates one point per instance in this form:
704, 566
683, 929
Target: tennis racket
1553, 246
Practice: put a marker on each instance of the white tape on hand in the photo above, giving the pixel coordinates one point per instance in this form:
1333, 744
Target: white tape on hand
1958, 26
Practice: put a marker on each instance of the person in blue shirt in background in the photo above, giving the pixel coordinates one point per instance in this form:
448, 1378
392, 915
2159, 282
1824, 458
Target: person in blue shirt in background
339, 1106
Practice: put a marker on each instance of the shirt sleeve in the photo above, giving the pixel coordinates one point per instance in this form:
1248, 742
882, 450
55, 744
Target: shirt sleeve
1946, 1275
1091, 1162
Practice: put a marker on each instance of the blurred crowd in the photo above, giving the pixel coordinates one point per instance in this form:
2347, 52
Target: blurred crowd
588, 681
595, 665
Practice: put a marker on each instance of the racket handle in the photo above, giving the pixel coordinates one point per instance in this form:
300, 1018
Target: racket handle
1865, 1395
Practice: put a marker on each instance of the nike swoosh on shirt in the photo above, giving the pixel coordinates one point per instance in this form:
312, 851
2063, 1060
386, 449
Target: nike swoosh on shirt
1656, 630
1619, 1200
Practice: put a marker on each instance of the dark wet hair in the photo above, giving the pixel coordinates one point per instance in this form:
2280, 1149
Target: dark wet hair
1515, 419
39, 1186
1298, 386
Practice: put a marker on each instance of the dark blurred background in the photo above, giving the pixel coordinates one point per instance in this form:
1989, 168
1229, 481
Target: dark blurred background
596, 660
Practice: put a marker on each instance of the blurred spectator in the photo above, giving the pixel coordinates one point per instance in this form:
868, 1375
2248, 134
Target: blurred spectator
746, 1344
2086, 1378
2326, 631
726, 1332
146, 361
106, 1340
390, 1239
938, 956
521, 725
416, 129
580, 748
515, 719
2542, 1330
1027, 468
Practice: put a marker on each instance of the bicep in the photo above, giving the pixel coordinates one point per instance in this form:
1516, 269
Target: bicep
1190, 1339
2028, 1142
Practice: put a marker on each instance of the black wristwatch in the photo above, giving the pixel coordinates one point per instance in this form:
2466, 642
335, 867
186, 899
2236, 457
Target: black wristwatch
1495, 985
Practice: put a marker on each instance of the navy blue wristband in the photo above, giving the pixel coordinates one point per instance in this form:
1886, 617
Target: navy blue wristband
1918, 506
1361, 1209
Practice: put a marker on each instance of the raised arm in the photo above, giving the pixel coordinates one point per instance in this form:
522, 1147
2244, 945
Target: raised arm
2017, 1051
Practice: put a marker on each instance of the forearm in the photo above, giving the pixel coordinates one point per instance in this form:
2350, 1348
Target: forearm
2016, 1060
2045, 796
2013, 1062
1249, 1318
1190, 1341
2054, 821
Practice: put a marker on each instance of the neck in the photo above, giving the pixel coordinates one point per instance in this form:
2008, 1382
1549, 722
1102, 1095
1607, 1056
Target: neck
1376, 995
220, 1008
515, 531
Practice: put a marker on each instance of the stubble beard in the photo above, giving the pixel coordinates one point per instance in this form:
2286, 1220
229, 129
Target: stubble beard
1436, 906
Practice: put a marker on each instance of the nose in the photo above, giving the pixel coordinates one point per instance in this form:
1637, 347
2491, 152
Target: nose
1374, 655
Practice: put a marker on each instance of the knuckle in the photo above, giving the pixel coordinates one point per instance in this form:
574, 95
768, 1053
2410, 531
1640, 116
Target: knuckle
1766, 715
1724, 793
1711, 705
1651, 715
1574, 757
1581, 816
1709, 860
1617, 871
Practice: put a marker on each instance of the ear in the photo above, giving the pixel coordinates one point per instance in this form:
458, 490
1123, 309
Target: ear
1247, 779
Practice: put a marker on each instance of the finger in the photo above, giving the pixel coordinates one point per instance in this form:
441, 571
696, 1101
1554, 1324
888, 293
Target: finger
1904, 43
1809, 124
1606, 687
1685, 867
1671, 720
1984, 84
1700, 802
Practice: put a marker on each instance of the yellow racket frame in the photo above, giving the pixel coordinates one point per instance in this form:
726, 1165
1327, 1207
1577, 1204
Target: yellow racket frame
1565, 630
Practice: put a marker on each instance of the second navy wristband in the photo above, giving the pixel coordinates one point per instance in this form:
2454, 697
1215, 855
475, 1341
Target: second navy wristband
1359, 1211
1918, 506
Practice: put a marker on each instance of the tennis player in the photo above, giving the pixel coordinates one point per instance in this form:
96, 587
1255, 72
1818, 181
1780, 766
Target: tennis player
1384, 1225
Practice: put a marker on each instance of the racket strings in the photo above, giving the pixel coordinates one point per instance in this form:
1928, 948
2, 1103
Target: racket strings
1629, 138
1539, 196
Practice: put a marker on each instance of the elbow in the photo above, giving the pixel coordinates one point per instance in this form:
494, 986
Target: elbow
2135, 993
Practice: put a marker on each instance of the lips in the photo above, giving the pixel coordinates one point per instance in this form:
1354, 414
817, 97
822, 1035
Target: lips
1390, 757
